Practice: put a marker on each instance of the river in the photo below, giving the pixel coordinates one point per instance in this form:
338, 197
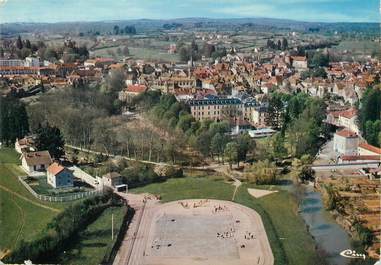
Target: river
330, 237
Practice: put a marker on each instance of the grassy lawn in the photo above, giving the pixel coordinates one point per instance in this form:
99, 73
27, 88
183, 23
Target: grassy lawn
289, 235
152, 54
358, 46
21, 215
290, 242
139, 53
189, 188
40, 185
20, 219
9, 155
92, 243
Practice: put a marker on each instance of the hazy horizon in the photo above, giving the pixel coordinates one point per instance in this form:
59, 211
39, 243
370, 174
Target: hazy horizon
52, 11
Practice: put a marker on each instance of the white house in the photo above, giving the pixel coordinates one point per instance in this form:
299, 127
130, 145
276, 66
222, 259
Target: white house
259, 116
344, 118
299, 62
59, 176
345, 142
32, 62
34, 162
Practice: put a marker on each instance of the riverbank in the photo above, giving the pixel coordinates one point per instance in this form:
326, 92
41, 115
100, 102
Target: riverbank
354, 203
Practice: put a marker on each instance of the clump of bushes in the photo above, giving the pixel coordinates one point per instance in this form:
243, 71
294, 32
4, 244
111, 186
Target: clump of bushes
168, 171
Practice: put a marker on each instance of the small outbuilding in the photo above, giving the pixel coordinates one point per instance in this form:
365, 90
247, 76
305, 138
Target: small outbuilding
112, 179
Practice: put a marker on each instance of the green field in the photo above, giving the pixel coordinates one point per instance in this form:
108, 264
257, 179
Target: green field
359, 47
21, 215
139, 53
91, 244
289, 239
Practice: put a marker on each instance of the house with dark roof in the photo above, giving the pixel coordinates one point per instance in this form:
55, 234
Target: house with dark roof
215, 108
59, 176
34, 162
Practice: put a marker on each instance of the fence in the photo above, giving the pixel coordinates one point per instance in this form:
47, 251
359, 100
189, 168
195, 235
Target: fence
79, 173
59, 198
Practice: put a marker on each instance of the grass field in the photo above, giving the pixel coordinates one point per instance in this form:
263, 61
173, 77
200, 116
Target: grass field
359, 47
92, 243
139, 53
290, 242
21, 215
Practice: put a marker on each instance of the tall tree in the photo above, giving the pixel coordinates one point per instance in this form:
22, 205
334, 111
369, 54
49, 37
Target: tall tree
115, 81
218, 144
13, 120
19, 44
275, 111
50, 138
284, 44
244, 144
116, 30
370, 114
278, 148
28, 45
231, 153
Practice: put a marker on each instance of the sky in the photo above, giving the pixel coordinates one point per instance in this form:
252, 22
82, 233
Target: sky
100, 10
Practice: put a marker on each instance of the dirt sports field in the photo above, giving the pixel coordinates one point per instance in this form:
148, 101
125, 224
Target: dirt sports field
201, 232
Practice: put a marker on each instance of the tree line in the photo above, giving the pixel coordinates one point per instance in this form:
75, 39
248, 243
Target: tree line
14, 122
192, 50
70, 51
210, 138
128, 30
370, 115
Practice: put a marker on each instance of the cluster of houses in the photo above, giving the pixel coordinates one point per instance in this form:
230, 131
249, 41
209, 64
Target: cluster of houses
240, 84
37, 163
40, 162
347, 141
234, 87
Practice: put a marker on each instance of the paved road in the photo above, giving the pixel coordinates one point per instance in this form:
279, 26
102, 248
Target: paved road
133, 242
116, 156
328, 167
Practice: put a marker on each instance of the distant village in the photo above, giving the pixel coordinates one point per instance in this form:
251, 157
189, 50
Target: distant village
235, 86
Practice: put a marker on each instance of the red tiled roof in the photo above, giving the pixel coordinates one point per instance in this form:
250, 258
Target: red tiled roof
104, 60
346, 133
55, 168
349, 113
358, 157
136, 88
299, 58
370, 148
18, 68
